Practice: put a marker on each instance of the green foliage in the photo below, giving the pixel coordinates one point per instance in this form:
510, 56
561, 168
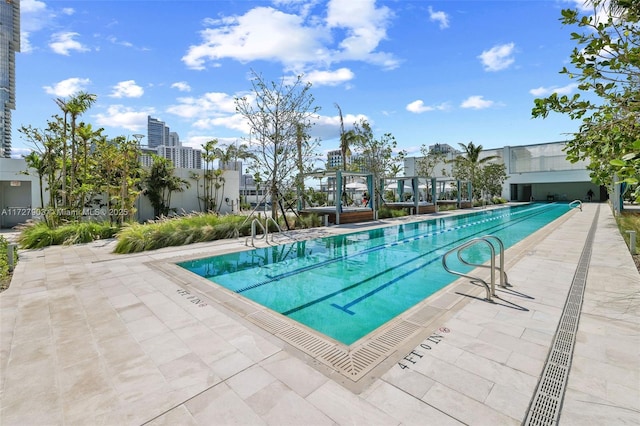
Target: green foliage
80, 168
308, 221
486, 176
159, 183
376, 155
386, 212
428, 162
606, 67
628, 221
41, 234
449, 206
4, 262
499, 200
279, 116
135, 237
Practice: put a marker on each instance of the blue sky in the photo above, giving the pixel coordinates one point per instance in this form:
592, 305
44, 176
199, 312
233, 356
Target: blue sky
425, 71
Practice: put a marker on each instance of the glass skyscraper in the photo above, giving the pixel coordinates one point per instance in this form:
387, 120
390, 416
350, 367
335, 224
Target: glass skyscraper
157, 133
9, 45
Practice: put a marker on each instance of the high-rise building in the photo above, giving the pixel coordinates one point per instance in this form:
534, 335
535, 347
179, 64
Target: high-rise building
157, 132
182, 157
174, 139
9, 45
165, 143
334, 159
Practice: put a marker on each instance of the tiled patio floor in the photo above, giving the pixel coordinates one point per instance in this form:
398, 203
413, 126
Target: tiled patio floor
92, 338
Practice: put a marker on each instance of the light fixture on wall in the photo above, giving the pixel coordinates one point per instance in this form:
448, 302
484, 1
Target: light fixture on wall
15, 183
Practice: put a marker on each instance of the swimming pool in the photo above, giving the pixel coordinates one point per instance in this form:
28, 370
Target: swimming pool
346, 286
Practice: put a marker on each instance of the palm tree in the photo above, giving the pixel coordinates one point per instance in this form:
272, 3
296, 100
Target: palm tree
470, 161
73, 107
76, 106
86, 134
159, 183
196, 177
63, 106
209, 154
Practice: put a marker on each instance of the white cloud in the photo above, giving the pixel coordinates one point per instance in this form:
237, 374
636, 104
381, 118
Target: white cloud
326, 78
262, 33
476, 102
366, 27
440, 17
298, 41
125, 117
68, 11
581, 5
546, 91
20, 152
33, 17
25, 43
419, 107
234, 122
498, 57
68, 87
328, 127
32, 6
63, 43
127, 89
210, 104
182, 86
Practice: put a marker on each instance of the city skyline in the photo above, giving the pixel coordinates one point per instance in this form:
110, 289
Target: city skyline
427, 72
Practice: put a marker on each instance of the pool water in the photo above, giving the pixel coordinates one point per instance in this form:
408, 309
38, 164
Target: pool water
346, 286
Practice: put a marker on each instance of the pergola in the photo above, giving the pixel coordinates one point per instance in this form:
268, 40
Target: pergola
340, 212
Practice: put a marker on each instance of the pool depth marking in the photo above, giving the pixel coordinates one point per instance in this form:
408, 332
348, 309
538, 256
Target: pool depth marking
383, 246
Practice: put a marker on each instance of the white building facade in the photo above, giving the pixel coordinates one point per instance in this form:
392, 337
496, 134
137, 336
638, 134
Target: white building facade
20, 194
534, 172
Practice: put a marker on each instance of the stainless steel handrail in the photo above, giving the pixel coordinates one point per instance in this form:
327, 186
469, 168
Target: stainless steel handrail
503, 274
578, 202
265, 231
487, 239
490, 290
253, 233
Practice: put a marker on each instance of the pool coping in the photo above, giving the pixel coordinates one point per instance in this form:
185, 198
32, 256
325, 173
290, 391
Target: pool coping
358, 365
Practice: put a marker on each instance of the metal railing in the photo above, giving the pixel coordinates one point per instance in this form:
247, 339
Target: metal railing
265, 231
575, 203
488, 240
252, 237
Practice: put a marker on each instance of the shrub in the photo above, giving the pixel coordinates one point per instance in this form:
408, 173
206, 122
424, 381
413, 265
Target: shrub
308, 221
498, 200
42, 234
136, 237
4, 262
386, 212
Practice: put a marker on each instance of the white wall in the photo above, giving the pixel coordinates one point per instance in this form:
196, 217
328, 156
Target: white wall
562, 184
19, 193
187, 201
26, 196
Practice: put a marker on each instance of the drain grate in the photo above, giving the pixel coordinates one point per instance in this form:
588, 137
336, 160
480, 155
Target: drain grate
547, 400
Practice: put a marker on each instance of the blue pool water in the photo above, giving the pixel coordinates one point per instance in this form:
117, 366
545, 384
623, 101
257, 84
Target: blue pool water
348, 285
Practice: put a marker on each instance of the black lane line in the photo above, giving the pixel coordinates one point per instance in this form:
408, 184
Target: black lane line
327, 296
381, 247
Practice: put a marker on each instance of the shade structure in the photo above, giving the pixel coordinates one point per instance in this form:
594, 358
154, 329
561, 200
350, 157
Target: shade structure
357, 186
394, 187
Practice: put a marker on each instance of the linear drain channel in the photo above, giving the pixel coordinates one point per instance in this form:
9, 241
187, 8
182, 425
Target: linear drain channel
547, 401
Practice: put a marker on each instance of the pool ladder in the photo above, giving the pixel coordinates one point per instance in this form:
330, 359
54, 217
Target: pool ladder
576, 203
489, 241
265, 231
